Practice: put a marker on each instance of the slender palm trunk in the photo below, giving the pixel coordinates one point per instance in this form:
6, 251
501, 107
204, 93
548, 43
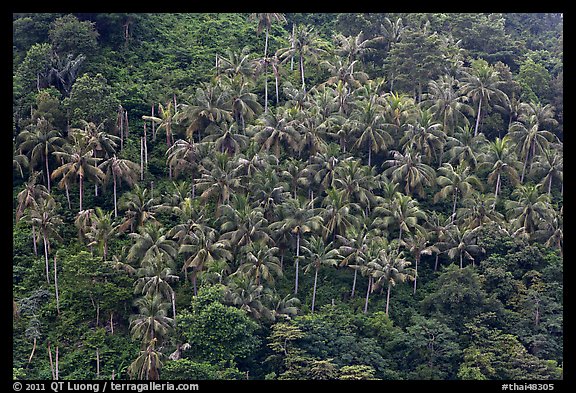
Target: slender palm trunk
478, 117
56, 286
314, 291
115, 200
302, 72
47, 169
34, 240
388, 298
496, 191
461, 265
400, 234
297, 261
436, 262
81, 181
354, 283
46, 255
51, 362
550, 185
33, 350
173, 305
367, 294
454, 206
417, 260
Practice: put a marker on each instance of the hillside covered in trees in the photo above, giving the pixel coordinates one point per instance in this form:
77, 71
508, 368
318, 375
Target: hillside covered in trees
288, 196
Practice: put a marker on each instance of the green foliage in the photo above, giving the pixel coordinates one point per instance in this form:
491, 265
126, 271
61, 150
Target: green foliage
72, 36
185, 369
216, 332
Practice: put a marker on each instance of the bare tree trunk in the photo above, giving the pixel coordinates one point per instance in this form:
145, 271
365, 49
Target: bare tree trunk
314, 291
292, 58
56, 362
416, 273
111, 322
297, 261
387, 298
126, 117
34, 240
478, 117
115, 201
81, 193
33, 350
354, 283
56, 286
173, 306
97, 363
51, 362
367, 294
153, 125
47, 169
46, 256
141, 159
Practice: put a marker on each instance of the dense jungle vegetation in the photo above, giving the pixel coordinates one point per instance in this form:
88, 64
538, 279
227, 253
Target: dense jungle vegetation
288, 196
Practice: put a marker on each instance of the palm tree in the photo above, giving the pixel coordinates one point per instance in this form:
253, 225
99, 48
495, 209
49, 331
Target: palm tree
226, 139
358, 182
403, 211
273, 130
139, 208
529, 210
369, 264
456, 181
147, 364
464, 147
337, 213
80, 164
19, 160
30, 196
353, 249
38, 143
119, 169
210, 105
260, 262
550, 167
418, 245
448, 106
370, 127
244, 104
165, 121
218, 179
155, 276
502, 162
236, 65
242, 224
408, 169
183, 157
460, 243
306, 43
151, 322
149, 243
319, 254
299, 220
424, 135
244, 293
553, 231
200, 248
43, 216
390, 268
103, 228
478, 209
530, 140
482, 84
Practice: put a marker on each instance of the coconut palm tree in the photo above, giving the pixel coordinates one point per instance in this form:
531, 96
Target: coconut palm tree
408, 169
152, 321
226, 139
319, 254
358, 183
138, 206
37, 143
149, 243
200, 248
261, 262
370, 126
456, 182
306, 44
460, 243
482, 84
402, 211
550, 167
102, 229
147, 365
274, 130
530, 140
43, 215
528, 210
464, 147
165, 120
418, 244
369, 264
478, 209
553, 231
80, 164
449, 107
502, 162
209, 105
118, 170
218, 179
424, 135
154, 277
244, 104
389, 269
338, 213
183, 156
299, 220
244, 293
354, 247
